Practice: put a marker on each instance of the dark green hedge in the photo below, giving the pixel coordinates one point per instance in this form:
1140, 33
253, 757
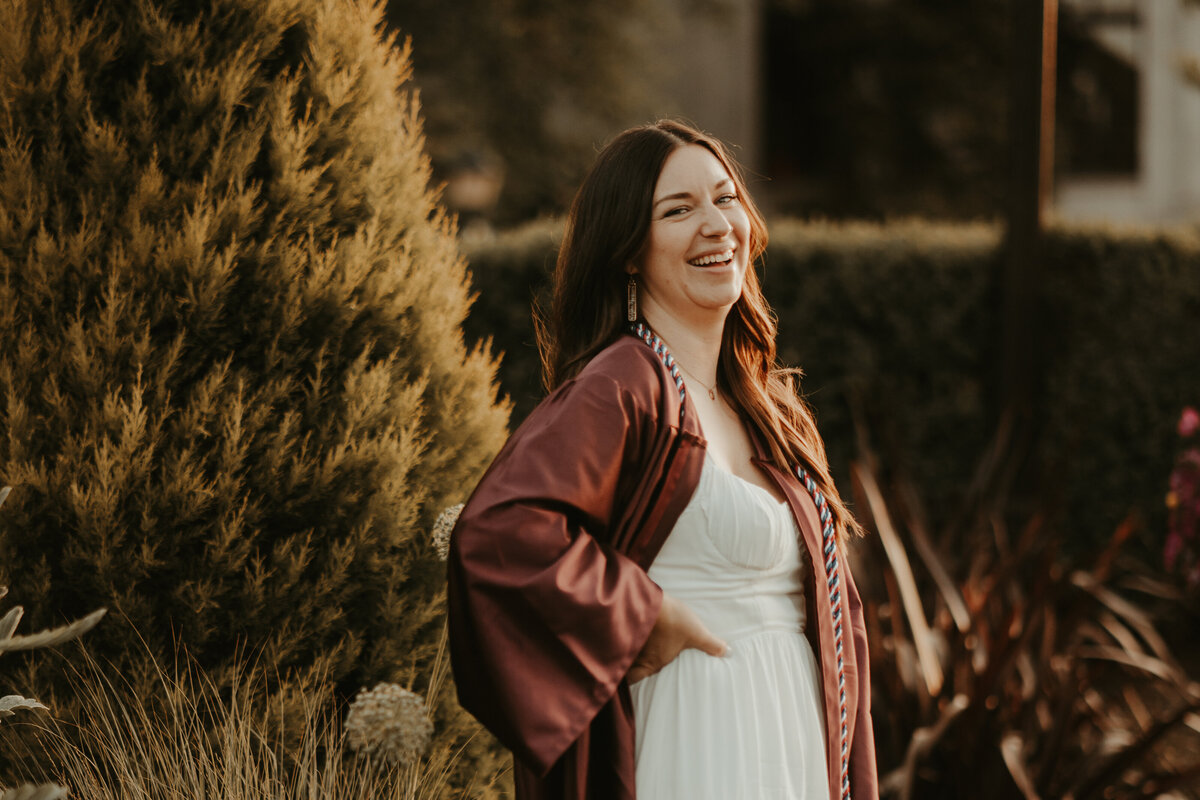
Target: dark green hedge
903, 319
1125, 357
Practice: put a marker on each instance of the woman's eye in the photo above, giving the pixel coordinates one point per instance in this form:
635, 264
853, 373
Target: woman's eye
726, 199
674, 212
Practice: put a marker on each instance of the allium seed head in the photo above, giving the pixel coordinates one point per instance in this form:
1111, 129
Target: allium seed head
389, 722
441, 530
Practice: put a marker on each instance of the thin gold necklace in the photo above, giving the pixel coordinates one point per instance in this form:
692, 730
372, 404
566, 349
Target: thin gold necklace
712, 390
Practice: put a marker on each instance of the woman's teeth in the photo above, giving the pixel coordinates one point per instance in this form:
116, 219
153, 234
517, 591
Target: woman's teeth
713, 259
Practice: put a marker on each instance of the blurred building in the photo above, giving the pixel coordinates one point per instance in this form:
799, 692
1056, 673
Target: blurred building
1128, 133
709, 63
1134, 151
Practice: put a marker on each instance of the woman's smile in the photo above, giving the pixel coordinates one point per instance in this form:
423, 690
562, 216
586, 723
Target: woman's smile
723, 258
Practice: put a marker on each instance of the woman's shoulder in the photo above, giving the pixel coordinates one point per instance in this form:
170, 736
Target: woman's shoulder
621, 391
629, 369
637, 368
626, 359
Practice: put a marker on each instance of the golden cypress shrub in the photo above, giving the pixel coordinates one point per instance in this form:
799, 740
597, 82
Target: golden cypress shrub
233, 385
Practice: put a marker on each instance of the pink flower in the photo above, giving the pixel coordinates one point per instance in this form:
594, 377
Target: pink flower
1189, 421
1181, 549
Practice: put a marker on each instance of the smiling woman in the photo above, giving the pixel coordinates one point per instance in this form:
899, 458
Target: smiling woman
647, 591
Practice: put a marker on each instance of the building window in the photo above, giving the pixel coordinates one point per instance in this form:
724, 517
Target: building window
1097, 106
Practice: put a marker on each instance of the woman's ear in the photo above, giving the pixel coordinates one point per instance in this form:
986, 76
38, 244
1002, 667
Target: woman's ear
631, 269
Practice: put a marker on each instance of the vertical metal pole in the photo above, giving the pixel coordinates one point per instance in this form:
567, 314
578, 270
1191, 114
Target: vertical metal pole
1031, 149
1049, 74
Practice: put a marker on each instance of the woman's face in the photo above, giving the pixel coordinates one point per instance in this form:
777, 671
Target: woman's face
696, 253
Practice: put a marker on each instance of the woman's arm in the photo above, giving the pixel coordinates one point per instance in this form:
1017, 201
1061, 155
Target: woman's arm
545, 618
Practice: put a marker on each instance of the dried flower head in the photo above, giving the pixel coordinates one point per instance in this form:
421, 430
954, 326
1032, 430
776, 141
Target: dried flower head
441, 530
389, 722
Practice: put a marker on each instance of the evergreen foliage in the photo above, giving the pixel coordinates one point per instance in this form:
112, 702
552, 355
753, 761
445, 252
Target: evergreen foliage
233, 389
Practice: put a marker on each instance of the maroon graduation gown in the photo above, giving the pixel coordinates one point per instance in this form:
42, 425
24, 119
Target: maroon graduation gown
548, 598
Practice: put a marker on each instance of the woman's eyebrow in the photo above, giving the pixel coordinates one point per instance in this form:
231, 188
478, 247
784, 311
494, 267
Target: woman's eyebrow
686, 195
676, 196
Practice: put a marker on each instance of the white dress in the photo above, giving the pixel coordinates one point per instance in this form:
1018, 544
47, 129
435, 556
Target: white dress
749, 725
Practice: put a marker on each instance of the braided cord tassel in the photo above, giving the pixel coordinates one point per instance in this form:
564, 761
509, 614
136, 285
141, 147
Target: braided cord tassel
833, 575
643, 332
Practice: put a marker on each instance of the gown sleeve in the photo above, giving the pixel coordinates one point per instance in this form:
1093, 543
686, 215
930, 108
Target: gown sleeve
545, 617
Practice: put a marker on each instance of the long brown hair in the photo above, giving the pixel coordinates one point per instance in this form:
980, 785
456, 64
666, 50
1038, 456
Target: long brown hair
606, 229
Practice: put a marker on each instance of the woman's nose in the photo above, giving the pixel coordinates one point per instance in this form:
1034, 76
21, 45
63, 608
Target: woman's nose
715, 223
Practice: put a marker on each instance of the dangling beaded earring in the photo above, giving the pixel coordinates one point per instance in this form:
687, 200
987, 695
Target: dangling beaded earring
631, 299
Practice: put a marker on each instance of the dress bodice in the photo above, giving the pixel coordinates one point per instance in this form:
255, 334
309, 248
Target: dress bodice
735, 558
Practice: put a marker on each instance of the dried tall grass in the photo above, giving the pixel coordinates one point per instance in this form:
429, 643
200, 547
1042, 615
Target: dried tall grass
10, 704
191, 740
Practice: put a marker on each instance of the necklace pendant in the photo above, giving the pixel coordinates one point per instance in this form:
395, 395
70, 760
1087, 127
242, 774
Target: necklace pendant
712, 394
